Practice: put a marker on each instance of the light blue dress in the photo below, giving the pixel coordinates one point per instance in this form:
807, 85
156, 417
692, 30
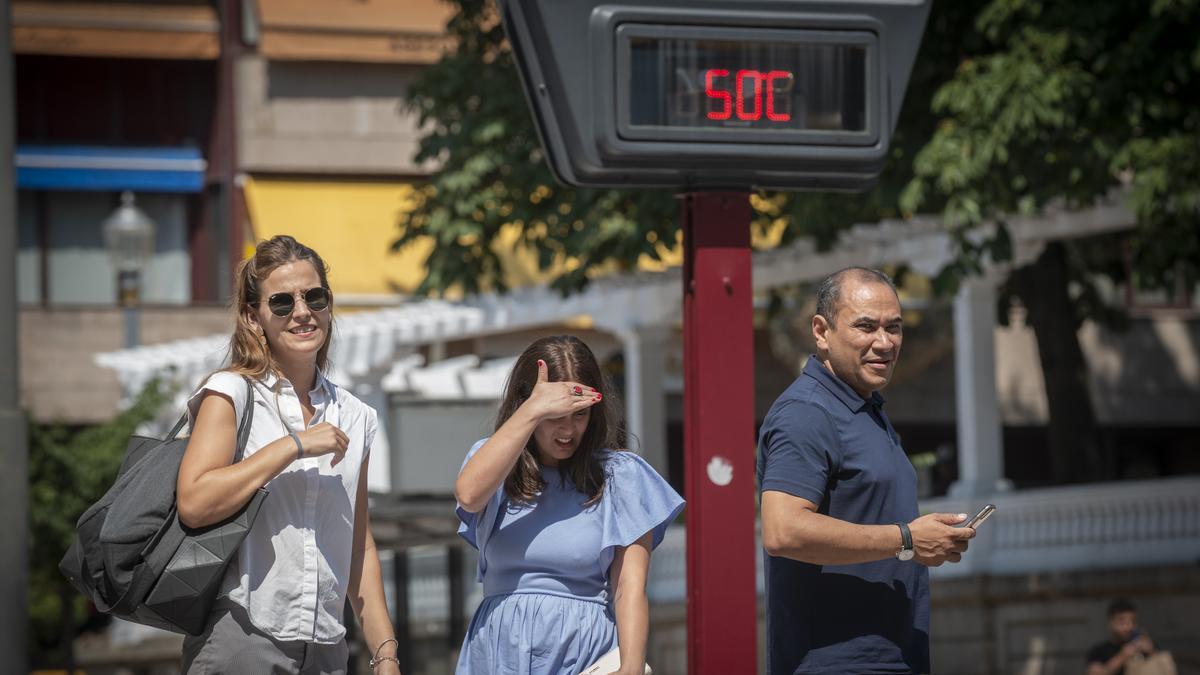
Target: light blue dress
546, 608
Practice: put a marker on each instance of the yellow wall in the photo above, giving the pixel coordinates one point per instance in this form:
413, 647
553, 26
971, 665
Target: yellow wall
352, 224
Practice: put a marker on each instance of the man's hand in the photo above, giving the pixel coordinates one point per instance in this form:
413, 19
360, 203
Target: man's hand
936, 542
1129, 649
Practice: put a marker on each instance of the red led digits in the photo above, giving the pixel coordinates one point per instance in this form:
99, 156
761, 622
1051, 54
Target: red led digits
763, 85
755, 78
717, 94
771, 89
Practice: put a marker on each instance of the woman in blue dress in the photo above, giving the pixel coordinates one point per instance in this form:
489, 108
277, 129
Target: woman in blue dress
564, 524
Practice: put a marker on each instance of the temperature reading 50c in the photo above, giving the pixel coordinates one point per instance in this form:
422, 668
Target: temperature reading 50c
748, 95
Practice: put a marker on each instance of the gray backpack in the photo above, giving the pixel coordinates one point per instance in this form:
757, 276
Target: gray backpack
134, 559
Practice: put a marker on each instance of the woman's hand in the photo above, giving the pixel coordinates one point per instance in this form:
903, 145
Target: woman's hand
324, 439
551, 400
483, 474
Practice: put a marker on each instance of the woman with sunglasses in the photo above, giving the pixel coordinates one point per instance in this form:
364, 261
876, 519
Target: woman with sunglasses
280, 607
563, 521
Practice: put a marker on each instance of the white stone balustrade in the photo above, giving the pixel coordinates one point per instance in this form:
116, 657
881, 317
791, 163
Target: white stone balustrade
1061, 529
1103, 525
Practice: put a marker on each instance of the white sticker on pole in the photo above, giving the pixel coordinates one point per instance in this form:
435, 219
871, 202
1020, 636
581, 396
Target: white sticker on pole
720, 471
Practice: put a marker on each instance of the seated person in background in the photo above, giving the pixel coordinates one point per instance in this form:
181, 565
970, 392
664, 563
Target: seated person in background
1125, 640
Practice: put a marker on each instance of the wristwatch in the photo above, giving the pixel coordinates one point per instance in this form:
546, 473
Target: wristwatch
906, 552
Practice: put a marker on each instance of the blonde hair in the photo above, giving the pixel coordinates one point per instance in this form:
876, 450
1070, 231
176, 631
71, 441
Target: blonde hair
248, 355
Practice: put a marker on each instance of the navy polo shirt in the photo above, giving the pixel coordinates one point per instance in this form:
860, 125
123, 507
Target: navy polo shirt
821, 441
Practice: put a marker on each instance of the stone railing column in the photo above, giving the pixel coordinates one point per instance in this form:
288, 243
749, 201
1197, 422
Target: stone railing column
980, 445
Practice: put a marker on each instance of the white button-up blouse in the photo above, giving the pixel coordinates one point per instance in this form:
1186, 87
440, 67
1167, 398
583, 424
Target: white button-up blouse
292, 571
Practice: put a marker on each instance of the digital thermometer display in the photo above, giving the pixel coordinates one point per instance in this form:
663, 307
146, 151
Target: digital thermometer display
782, 85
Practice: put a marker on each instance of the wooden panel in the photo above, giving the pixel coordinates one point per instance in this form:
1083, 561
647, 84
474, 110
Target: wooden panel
382, 31
379, 48
115, 43
357, 16
116, 30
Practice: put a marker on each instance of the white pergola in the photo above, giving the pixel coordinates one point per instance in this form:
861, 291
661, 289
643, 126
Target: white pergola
376, 351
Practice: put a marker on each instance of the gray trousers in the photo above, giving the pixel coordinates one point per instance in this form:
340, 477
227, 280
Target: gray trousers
231, 645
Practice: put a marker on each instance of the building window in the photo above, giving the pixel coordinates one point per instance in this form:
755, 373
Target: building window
62, 258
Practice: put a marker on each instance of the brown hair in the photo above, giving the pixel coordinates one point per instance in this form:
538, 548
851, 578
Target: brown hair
247, 354
567, 358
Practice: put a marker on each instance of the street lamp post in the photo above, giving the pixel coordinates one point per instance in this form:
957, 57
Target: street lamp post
129, 235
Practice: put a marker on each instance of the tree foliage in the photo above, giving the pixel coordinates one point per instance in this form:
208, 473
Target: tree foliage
1012, 104
1068, 101
1065, 102
68, 471
493, 173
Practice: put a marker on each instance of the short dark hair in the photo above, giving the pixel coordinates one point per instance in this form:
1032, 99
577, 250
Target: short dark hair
829, 293
1120, 606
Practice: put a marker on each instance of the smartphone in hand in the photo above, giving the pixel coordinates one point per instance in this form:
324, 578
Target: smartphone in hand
975, 521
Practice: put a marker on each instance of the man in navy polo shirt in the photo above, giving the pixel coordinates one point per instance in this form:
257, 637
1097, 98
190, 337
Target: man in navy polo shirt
847, 584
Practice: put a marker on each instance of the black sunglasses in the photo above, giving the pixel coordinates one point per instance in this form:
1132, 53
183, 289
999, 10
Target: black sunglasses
282, 304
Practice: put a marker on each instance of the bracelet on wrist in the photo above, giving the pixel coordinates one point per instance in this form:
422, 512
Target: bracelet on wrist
381, 659
299, 446
377, 659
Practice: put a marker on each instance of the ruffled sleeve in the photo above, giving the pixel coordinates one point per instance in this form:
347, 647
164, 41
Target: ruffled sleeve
475, 528
636, 500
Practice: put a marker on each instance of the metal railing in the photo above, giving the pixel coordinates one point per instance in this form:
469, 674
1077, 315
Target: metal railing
1105, 525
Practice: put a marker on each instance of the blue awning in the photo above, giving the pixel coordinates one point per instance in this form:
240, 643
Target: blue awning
103, 169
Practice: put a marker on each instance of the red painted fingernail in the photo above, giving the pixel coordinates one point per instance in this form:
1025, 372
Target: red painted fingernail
599, 396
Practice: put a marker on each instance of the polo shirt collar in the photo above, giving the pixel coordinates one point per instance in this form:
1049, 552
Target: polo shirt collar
842, 391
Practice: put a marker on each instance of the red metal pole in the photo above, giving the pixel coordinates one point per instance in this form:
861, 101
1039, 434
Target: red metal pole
718, 433
231, 203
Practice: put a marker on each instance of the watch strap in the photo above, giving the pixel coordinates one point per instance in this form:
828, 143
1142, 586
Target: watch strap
906, 540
